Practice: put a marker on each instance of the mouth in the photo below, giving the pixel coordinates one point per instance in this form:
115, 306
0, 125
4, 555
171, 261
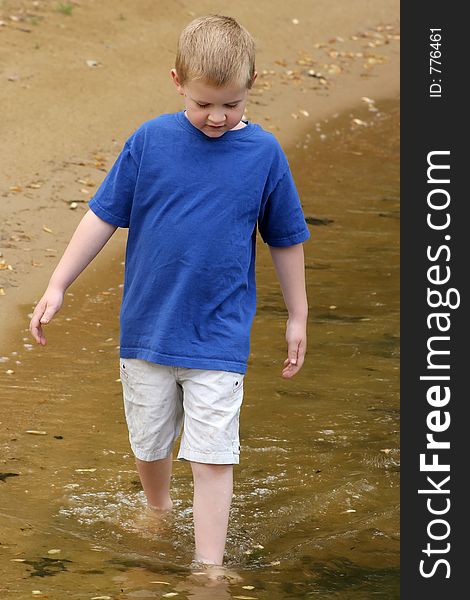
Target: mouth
216, 126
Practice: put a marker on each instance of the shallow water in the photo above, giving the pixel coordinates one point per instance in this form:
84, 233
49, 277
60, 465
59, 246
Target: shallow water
315, 511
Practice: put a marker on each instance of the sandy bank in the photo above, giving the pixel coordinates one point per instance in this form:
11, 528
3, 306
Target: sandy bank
74, 86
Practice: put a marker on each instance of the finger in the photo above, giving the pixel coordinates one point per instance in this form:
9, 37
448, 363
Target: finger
38, 335
47, 316
290, 371
292, 352
36, 328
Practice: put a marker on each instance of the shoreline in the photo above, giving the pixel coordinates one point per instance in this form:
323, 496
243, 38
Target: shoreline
37, 191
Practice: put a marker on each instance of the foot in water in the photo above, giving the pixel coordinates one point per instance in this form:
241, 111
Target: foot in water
214, 572
153, 520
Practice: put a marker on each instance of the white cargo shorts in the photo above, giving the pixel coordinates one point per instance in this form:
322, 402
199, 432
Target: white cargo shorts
159, 400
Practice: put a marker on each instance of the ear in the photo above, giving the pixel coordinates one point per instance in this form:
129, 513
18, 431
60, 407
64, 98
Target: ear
176, 81
254, 77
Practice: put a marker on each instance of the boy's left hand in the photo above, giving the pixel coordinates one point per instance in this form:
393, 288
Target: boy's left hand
296, 338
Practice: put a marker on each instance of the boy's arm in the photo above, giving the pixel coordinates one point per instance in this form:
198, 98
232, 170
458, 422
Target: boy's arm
90, 236
290, 269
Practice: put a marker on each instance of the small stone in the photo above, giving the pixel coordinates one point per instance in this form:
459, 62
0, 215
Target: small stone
334, 69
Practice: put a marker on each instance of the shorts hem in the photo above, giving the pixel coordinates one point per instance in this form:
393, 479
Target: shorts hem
210, 458
151, 456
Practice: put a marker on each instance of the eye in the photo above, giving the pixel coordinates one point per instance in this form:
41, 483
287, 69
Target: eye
232, 105
202, 105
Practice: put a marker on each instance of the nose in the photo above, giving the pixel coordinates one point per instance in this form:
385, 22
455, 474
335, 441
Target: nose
217, 118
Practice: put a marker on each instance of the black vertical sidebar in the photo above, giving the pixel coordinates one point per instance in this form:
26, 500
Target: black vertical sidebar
435, 257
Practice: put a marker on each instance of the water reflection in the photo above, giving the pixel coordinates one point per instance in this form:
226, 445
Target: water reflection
315, 507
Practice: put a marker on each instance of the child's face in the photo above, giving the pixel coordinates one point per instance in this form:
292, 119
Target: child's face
212, 110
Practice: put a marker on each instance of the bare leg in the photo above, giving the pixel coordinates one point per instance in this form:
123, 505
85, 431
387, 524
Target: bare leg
155, 477
213, 488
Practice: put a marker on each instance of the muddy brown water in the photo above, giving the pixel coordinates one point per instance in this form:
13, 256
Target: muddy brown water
315, 511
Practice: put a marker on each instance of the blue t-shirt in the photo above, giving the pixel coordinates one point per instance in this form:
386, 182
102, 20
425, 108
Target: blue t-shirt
192, 205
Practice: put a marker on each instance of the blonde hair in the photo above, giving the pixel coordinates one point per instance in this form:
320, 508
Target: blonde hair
216, 50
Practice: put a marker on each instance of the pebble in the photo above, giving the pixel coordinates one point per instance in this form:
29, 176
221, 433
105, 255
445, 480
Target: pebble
36, 432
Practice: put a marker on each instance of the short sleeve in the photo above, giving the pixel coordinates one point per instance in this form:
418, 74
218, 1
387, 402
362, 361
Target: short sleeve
113, 199
281, 221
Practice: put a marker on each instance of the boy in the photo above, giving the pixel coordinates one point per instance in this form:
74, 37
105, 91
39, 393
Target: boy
191, 187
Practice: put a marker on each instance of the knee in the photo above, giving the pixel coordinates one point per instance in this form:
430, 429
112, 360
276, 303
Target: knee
205, 470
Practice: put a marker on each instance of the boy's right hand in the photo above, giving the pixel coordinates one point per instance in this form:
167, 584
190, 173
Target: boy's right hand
45, 309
